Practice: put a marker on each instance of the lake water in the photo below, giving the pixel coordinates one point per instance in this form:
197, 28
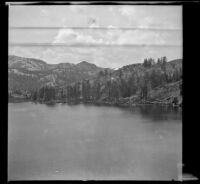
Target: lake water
65, 142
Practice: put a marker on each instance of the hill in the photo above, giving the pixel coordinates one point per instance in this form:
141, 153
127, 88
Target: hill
29, 73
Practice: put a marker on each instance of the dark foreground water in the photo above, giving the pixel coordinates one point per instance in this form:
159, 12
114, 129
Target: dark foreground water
93, 142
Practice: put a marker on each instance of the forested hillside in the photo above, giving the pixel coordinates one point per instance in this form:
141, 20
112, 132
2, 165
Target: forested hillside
30, 74
153, 81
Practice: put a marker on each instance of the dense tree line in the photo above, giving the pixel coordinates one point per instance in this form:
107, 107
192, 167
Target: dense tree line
45, 93
114, 85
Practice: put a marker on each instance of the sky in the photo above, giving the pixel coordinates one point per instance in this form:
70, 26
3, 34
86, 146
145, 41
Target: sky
106, 35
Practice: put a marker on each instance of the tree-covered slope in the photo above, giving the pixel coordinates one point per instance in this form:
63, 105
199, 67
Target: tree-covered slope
148, 82
29, 73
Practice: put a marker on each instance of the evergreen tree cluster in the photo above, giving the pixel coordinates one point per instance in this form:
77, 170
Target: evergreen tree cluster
45, 93
117, 84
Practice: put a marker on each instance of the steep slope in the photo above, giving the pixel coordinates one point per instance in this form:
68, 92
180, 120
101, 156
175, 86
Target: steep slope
137, 83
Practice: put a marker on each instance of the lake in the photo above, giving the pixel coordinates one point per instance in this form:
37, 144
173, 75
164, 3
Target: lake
67, 142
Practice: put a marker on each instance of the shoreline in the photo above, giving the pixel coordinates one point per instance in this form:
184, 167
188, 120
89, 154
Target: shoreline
107, 103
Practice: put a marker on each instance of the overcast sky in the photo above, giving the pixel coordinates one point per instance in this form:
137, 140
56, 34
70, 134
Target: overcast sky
153, 31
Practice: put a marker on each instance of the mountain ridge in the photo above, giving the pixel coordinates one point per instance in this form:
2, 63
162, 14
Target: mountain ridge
38, 72
80, 63
19, 58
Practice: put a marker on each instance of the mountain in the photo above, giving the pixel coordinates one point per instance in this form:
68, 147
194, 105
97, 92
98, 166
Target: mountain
147, 82
30, 73
16, 62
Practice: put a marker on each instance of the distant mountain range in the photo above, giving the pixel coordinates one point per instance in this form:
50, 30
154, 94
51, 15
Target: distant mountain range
30, 73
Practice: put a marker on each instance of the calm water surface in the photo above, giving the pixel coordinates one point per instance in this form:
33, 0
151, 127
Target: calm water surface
93, 142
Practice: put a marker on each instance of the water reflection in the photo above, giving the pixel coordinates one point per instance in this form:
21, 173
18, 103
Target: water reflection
153, 112
159, 113
51, 105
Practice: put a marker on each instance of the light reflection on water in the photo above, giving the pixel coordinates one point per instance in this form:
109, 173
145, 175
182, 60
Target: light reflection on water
93, 142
